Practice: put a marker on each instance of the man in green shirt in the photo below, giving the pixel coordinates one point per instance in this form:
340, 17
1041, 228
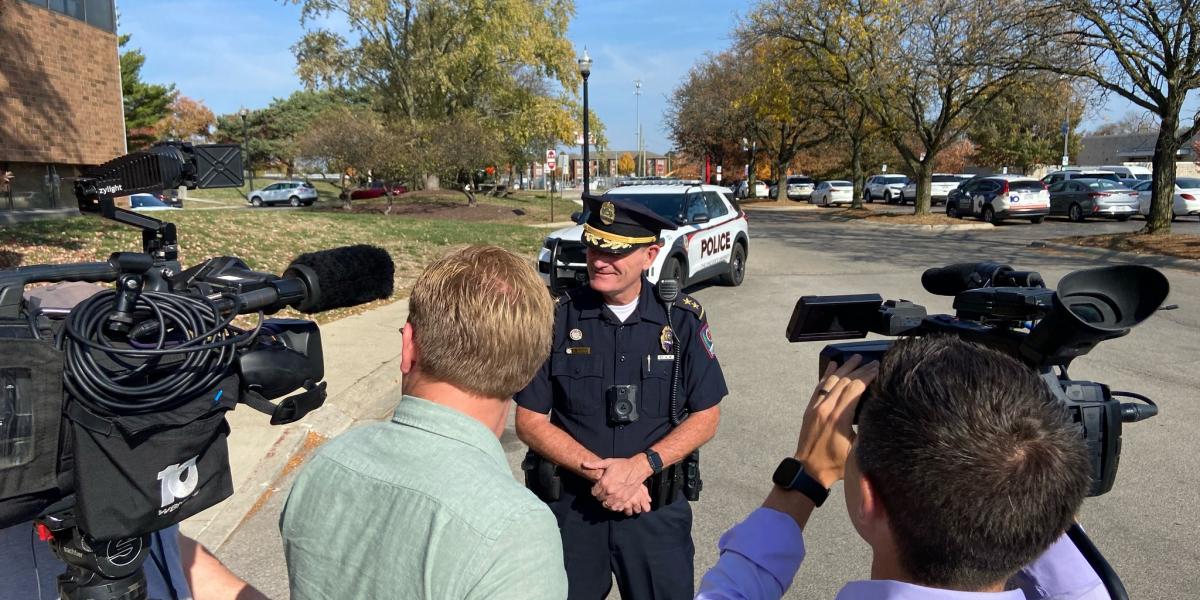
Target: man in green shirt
424, 505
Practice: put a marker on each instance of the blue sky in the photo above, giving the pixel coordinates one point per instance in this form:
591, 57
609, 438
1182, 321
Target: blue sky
235, 53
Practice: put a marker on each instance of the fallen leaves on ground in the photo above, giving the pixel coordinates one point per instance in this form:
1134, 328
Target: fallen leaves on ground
1177, 245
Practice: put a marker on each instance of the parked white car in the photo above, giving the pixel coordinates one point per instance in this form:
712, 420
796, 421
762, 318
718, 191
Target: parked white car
712, 238
885, 187
1187, 197
1068, 174
295, 193
828, 193
939, 188
740, 189
1130, 172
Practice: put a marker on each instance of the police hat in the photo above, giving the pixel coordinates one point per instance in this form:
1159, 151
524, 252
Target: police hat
620, 226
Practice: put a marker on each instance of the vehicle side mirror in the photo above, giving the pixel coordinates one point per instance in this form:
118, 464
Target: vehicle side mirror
577, 217
700, 218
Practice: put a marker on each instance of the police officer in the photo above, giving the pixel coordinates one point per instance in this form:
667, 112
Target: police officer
600, 412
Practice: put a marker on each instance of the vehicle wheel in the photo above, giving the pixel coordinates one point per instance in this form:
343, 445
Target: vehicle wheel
867, 197
1122, 218
1173, 215
887, 197
737, 267
294, 201
952, 211
673, 269
989, 215
256, 201
1075, 213
1037, 220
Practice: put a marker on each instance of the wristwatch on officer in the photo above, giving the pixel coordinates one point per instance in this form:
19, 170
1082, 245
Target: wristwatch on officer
790, 475
655, 461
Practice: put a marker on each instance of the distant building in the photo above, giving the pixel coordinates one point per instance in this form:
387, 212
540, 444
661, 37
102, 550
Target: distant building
1132, 148
60, 98
604, 163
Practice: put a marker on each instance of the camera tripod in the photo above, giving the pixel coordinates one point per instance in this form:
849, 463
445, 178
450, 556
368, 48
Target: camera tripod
96, 570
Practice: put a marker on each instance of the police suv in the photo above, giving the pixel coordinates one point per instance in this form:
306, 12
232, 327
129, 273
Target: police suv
711, 238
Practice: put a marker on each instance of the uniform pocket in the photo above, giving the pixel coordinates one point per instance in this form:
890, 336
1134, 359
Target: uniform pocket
581, 378
656, 386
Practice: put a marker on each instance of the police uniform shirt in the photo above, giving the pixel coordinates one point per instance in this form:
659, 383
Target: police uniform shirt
593, 350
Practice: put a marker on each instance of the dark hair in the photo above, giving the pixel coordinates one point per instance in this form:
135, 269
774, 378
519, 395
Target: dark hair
978, 467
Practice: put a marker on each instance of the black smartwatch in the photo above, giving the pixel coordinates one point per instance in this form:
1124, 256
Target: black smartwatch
790, 475
655, 461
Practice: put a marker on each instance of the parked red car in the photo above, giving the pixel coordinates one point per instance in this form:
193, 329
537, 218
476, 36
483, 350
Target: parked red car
375, 189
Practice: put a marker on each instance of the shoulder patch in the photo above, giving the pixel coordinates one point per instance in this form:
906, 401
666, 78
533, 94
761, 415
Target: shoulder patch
689, 303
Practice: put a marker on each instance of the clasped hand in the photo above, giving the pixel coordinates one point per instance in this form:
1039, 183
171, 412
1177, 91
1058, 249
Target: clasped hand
620, 486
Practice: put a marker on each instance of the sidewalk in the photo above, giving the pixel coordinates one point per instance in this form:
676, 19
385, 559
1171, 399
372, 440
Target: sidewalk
362, 370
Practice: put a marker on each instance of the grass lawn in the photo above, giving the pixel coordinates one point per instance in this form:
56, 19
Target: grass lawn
268, 239
870, 213
529, 208
1177, 245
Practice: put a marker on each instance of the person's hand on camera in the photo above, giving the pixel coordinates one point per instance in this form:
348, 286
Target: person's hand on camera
827, 432
622, 481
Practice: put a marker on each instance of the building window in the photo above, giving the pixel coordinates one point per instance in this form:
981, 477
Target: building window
100, 14
37, 186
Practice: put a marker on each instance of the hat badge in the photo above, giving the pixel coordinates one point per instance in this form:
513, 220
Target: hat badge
608, 213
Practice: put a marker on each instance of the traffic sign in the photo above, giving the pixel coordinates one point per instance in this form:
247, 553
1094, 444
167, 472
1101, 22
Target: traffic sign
551, 159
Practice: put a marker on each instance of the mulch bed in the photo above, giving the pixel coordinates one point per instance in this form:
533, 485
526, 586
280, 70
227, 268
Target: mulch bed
1177, 245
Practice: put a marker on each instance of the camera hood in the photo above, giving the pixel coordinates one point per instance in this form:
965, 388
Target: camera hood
1091, 306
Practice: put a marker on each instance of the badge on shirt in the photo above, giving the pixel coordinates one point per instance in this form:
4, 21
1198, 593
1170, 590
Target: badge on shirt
707, 340
666, 340
579, 350
576, 334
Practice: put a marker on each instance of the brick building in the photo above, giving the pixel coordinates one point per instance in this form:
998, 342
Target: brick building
60, 97
604, 163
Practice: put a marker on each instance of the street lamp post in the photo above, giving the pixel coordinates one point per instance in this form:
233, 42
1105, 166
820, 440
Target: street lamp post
246, 146
637, 109
585, 69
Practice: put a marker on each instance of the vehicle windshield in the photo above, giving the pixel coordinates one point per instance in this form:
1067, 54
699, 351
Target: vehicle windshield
799, 180
840, 184
1108, 176
668, 206
946, 179
1104, 184
1187, 183
145, 201
894, 179
1143, 176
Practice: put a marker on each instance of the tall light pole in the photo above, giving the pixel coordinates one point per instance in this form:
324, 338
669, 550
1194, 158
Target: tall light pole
246, 146
637, 109
1066, 128
585, 69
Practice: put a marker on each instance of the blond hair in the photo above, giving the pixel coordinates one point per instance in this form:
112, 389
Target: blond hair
482, 320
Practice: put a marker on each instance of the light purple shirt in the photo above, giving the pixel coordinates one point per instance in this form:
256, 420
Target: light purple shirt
760, 557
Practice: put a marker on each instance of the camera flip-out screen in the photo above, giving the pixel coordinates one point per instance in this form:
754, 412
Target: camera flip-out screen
818, 318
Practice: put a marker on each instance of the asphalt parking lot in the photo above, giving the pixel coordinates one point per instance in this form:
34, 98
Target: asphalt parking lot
1146, 526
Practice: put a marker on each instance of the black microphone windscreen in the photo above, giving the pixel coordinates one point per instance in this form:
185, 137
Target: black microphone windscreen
346, 276
949, 280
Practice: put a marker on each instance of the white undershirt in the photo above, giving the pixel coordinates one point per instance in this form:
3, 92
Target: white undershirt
622, 311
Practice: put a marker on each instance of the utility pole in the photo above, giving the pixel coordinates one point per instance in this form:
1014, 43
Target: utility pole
637, 103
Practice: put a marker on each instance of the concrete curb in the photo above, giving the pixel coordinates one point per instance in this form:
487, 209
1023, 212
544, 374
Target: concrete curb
557, 225
1151, 260
769, 208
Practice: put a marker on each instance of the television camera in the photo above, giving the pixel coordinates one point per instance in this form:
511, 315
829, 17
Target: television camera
1014, 312
112, 411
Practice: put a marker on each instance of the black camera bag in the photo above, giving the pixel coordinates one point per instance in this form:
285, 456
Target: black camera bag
35, 457
135, 474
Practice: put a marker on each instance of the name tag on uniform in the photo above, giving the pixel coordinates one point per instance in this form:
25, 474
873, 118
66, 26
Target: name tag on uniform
579, 350
666, 357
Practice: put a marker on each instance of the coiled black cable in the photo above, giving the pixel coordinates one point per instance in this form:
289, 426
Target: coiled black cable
129, 377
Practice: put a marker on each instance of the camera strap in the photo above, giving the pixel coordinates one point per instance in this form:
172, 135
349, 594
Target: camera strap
290, 409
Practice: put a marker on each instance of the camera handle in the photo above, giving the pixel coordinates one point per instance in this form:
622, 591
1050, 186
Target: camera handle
1108, 576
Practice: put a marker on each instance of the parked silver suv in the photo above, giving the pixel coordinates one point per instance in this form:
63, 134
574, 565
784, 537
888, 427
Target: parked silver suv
885, 187
295, 193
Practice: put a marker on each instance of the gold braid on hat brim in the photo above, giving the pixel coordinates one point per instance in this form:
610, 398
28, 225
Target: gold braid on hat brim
611, 241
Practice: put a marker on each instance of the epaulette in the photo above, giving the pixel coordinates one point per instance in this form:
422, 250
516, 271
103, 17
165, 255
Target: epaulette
689, 304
